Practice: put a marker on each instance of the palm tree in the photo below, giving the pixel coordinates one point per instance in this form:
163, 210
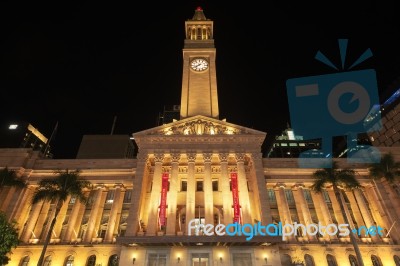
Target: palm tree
388, 172
66, 183
338, 178
10, 178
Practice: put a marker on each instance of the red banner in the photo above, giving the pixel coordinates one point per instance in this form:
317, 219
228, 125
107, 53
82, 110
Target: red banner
163, 202
235, 195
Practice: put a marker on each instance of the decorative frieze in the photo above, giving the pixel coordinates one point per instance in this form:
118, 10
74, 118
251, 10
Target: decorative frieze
166, 169
182, 169
199, 127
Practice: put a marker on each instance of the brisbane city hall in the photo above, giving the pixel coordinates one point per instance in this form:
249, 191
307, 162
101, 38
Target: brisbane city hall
195, 191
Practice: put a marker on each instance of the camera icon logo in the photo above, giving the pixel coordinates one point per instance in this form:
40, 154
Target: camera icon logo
337, 104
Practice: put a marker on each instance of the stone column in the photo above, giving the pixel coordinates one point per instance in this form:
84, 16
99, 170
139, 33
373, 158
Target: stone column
283, 207
208, 191
94, 213
60, 219
7, 194
72, 220
21, 210
336, 207
244, 199
116, 208
69, 233
225, 188
172, 197
302, 208
43, 216
31, 222
365, 212
322, 210
394, 199
152, 223
138, 195
379, 214
385, 201
260, 189
191, 189
354, 208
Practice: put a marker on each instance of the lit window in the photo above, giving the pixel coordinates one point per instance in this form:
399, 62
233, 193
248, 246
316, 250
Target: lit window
110, 196
24, 261
69, 261
290, 134
13, 126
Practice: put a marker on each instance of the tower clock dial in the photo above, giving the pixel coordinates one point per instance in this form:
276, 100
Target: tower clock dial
199, 64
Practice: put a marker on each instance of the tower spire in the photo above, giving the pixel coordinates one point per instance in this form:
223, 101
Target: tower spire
199, 81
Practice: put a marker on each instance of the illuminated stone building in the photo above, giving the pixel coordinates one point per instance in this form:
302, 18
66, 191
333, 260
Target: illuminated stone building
197, 171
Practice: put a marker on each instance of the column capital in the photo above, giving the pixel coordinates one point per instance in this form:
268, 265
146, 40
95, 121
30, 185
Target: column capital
280, 185
298, 185
175, 157
223, 157
119, 185
207, 156
240, 157
100, 186
158, 157
191, 156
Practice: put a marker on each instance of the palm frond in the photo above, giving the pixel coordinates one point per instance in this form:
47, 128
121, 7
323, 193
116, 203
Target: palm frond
335, 177
387, 168
10, 178
64, 184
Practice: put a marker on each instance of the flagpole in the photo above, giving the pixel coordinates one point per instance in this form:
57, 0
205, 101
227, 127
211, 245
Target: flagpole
50, 139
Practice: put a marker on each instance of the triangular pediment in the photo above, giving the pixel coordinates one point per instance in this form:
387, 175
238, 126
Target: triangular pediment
197, 126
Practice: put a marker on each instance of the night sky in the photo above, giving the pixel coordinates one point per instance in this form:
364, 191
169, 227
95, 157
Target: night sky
82, 64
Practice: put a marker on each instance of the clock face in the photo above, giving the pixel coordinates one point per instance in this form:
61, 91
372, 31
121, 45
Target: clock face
199, 64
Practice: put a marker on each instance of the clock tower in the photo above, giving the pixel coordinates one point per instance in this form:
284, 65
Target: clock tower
199, 81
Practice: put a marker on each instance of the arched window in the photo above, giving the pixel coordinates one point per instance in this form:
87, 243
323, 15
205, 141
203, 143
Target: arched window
113, 260
91, 261
309, 260
24, 261
353, 260
69, 261
376, 261
286, 260
47, 261
331, 260
396, 260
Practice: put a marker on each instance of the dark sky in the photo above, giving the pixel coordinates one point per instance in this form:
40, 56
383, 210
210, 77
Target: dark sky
82, 64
